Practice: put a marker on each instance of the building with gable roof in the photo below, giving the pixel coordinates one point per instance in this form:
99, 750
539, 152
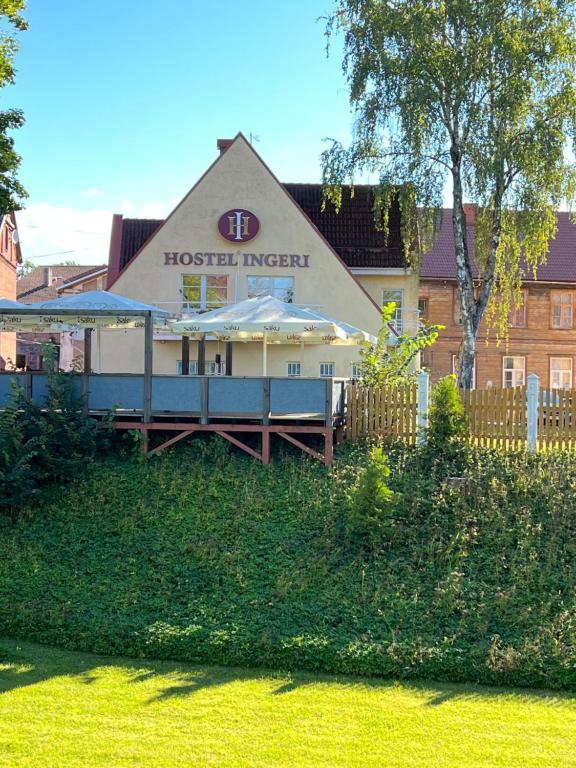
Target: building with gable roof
240, 233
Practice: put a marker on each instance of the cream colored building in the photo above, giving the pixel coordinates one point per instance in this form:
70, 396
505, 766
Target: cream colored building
239, 233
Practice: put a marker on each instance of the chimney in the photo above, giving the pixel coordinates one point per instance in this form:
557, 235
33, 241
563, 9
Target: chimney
48, 275
470, 210
223, 144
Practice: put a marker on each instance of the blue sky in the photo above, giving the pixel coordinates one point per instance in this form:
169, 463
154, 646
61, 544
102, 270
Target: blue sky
125, 99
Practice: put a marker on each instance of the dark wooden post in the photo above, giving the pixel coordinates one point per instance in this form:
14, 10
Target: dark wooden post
202, 357
87, 367
266, 400
148, 339
228, 358
185, 355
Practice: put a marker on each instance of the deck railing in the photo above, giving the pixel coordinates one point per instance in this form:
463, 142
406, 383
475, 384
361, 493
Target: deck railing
205, 398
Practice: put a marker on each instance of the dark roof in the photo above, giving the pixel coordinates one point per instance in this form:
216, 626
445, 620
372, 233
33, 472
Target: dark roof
44, 283
135, 232
440, 261
351, 232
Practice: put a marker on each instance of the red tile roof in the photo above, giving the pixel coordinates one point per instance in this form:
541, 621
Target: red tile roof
440, 261
351, 232
40, 285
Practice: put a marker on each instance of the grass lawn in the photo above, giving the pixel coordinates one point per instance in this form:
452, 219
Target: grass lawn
60, 709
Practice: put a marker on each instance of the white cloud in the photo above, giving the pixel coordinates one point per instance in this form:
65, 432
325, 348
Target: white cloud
92, 192
50, 234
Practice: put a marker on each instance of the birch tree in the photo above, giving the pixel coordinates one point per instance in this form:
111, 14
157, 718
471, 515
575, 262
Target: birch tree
477, 93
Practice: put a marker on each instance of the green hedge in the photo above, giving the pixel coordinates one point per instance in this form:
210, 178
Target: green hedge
204, 555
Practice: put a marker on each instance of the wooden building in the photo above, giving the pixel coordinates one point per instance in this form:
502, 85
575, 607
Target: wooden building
542, 332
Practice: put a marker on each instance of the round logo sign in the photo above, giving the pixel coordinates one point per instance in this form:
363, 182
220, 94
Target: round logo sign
238, 225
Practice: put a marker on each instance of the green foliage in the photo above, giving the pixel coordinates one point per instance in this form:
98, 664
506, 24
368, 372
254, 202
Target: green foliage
17, 452
447, 419
206, 556
45, 443
481, 94
370, 521
11, 191
382, 364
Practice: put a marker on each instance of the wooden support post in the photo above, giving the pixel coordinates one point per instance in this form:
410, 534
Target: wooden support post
148, 339
204, 404
185, 355
202, 357
228, 358
87, 368
328, 447
328, 406
266, 401
145, 442
265, 447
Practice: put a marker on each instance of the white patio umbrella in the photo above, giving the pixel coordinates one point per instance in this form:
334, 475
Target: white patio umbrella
268, 320
120, 312
92, 309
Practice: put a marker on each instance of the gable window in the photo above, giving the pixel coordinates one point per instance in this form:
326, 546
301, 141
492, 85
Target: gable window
561, 372
398, 298
293, 369
517, 316
203, 292
562, 313
513, 371
355, 371
326, 369
280, 287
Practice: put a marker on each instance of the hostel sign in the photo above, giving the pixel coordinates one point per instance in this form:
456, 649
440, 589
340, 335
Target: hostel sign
236, 259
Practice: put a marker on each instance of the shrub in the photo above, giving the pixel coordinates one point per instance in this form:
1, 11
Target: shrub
45, 443
447, 420
370, 521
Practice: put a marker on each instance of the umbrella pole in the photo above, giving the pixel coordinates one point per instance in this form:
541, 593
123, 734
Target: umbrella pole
98, 350
265, 354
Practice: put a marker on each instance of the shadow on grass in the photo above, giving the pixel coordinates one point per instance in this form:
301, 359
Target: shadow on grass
24, 664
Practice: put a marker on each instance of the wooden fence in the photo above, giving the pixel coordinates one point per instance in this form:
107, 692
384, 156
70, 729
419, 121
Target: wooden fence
496, 417
387, 411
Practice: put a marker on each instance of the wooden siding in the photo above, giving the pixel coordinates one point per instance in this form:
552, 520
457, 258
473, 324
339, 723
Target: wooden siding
537, 342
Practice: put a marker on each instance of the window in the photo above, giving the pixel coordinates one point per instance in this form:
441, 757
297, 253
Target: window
203, 292
561, 372
455, 370
561, 302
517, 316
326, 369
212, 368
423, 308
355, 371
293, 369
397, 297
513, 371
280, 287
